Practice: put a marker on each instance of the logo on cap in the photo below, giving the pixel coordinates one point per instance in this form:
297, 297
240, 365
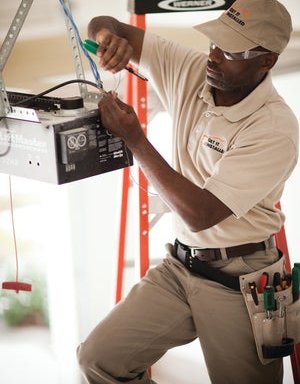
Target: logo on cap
190, 5
238, 15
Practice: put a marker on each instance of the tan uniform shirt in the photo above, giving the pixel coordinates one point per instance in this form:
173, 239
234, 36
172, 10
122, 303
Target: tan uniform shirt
243, 154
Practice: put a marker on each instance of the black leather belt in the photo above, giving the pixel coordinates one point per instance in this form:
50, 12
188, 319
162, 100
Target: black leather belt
194, 259
211, 254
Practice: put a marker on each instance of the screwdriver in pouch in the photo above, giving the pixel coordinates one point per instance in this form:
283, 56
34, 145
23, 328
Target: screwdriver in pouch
269, 301
253, 291
276, 281
295, 282
263, 282
282, 313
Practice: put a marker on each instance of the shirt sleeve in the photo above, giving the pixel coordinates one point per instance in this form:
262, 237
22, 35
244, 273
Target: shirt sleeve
252, 170
168, 65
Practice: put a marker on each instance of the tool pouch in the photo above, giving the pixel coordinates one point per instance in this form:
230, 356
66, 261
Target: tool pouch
274, 337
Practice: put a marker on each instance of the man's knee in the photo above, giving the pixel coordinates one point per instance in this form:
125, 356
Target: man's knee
85, 357
105, 366
97, 361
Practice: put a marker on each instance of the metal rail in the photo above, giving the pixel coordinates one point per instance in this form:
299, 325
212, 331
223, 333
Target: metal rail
9, 42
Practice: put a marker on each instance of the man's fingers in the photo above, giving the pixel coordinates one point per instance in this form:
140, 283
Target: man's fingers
125, 107
114, 52
112, 101
105, 102
118, 117
103, 38
109, 108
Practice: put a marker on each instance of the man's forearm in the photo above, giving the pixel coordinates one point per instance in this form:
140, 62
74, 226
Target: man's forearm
196, 206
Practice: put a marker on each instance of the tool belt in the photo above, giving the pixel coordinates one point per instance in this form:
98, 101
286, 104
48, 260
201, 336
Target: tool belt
195, 259
274, 337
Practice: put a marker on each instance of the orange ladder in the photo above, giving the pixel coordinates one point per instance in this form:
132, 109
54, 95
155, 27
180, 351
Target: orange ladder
136, 95
281, 243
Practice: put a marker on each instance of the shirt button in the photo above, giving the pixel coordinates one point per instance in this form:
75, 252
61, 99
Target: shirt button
207, 114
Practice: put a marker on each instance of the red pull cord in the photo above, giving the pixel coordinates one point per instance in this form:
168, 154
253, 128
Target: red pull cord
15, 285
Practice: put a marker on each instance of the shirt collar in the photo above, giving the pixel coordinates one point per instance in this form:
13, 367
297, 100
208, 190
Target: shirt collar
255, 100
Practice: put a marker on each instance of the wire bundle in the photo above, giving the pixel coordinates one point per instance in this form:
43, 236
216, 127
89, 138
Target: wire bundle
77, 34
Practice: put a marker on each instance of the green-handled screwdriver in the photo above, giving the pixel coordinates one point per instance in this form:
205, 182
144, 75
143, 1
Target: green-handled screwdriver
269, 301
92, 47
295, 282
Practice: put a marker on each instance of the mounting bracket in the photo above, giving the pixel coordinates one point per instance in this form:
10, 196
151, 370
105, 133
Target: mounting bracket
9, 42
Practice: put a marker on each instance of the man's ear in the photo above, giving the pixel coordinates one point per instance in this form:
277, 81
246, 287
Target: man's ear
268, 61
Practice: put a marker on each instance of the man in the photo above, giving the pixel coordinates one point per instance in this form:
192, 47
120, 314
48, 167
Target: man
235, 145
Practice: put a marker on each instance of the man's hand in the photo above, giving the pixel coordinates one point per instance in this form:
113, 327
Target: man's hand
114, 52
120, 119
118, 42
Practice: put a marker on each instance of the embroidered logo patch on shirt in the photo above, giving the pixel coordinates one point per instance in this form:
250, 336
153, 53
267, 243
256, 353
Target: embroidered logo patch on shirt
216, 143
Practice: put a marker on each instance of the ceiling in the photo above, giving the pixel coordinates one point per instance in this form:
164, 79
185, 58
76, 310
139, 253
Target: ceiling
45, 16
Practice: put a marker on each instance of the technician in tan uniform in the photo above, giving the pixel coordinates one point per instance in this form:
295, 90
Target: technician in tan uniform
235, 145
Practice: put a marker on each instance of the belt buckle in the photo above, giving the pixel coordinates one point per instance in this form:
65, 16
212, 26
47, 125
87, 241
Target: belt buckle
193, 251
208, 254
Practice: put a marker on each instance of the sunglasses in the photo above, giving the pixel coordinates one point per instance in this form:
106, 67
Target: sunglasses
246, 55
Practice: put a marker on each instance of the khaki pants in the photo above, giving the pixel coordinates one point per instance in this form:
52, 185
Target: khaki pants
171, 307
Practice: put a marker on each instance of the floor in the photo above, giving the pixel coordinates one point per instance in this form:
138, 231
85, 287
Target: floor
26, 358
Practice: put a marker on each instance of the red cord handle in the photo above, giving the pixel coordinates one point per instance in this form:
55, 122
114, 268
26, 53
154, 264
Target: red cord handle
16, 286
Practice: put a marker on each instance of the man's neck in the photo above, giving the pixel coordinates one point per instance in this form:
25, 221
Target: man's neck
229, 98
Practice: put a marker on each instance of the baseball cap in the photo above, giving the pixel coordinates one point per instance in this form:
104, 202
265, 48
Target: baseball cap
250, 23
